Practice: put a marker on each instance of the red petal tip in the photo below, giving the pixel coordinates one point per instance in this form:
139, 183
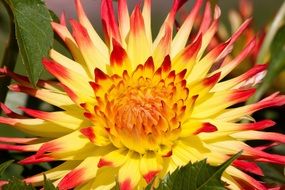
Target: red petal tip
126, 185
89, 133
100, 75
206, 128
103, 163
33, 159
150, 175
72, 179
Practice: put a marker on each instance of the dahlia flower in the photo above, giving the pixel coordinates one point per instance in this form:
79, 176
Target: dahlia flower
133, 109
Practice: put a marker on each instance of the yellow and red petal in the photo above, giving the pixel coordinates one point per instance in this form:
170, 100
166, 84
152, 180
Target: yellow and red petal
95, 38
219, 101
208, 35
22, 148
92, 56
234, 113
115, 158
186, 149
124, 19
228, 67
71, 79
248, 166
244, 180
34, 159
259, 135
109, 22
54, 173
96, 135
80, 174
68, 63
105, 179
119, 60
18, 140
129, 174
183, 33
186, 58
146, 13
60, 100
201, 69
64, 145
242, 79
36, 127
228, 126
137, 39
62, 118
65, 35
150, 166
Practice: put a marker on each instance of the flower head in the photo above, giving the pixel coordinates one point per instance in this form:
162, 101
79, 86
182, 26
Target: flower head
134, 109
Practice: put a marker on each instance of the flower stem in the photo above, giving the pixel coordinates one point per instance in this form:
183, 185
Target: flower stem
10, 54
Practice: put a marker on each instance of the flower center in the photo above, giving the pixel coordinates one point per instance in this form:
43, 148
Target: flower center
140, 111
140, 118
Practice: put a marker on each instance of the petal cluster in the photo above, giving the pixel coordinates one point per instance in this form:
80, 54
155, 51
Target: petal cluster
134, 108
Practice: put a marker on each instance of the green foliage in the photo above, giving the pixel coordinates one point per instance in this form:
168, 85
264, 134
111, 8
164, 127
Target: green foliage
54, 17
48, 184
17, 184
34, 34
272, 174
4, 166
277, 52
197, 176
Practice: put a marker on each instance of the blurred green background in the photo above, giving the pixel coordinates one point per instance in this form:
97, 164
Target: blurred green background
263, 12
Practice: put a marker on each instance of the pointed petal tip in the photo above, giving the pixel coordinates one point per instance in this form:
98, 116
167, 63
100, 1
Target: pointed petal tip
62, 19
33, 160
17, 140
47, 147
3, 182
212, 79
206, 128
72, 179
102, 162
99, 75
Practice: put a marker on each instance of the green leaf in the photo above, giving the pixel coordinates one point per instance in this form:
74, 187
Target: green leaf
17, 184
197, 176
48, 184
149, 186
272, 174
4, 166
53, 16
33, 32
